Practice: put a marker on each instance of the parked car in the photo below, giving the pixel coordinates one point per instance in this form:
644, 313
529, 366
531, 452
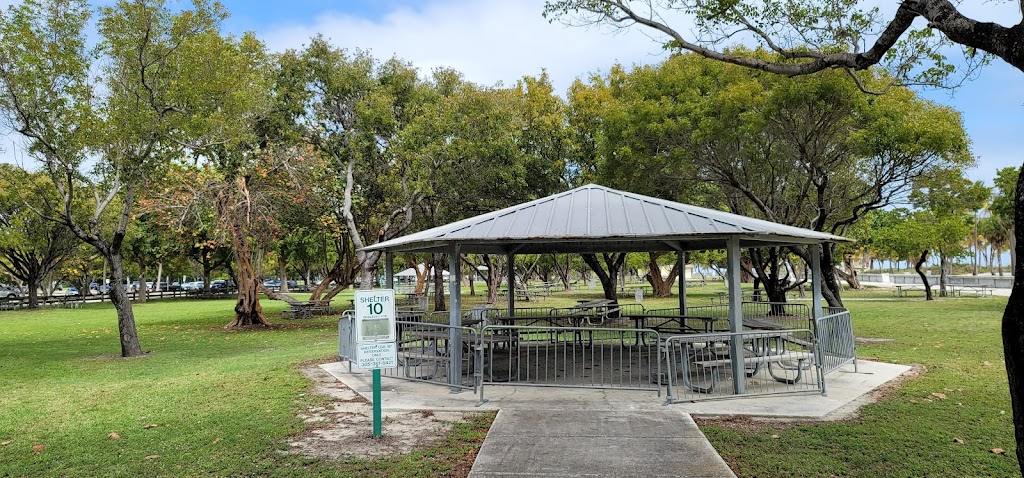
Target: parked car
9, 292
193, 285
272, 283
64, 291
222, 285
174, 286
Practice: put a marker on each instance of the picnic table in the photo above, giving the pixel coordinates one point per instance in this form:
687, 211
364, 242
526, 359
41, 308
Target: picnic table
905, 290
771, 348
307, 309
979, 290
10, 304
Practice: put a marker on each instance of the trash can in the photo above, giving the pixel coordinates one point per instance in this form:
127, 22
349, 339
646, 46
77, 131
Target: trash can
638, 295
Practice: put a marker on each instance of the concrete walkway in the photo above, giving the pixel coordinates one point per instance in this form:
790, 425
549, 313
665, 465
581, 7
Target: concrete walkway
582, 442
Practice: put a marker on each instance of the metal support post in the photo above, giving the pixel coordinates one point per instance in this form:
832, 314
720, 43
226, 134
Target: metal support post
455, 317
739, 381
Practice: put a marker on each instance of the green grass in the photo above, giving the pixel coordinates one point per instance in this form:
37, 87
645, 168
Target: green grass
225, 402
911, 433
61, 387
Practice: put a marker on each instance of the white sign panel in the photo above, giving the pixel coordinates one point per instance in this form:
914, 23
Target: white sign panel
375, 316
373, 355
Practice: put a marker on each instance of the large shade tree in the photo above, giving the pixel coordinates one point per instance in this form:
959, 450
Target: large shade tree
96, 119
31, 247
811, 36
809, 152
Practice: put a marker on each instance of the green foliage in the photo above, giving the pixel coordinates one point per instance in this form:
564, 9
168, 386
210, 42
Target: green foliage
1006, 192
811, 152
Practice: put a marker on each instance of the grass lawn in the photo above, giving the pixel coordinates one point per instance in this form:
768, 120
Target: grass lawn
226, 402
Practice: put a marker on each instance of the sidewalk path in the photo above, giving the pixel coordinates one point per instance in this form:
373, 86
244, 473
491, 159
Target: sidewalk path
594, 443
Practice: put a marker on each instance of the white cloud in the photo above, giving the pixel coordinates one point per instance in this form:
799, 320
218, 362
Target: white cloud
487, 40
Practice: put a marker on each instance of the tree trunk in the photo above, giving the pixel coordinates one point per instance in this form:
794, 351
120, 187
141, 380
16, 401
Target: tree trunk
662, 286
945, 267
439, 303
421, 275
1013, 325
33, 292
607, 274
924, 277
143, 292
248, 311
495, 273
129, 337
850, 274
282, 271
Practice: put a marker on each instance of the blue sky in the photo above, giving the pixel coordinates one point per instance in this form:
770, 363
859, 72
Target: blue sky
502, 40
492, 41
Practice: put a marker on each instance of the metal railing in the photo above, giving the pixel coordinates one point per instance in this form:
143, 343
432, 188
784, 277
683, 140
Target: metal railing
426, 354
570, 357
835, 341
699, 366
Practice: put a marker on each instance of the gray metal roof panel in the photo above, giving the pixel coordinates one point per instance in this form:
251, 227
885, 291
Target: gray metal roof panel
594, 214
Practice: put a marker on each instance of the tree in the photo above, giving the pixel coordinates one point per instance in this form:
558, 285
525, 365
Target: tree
109, 140
31, 248
808, 152
356, 107
813, 35
949, 200
1004, 206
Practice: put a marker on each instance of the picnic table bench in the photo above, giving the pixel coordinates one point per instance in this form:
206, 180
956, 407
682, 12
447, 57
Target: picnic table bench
905, 290
307, 309
766, 349
979, 290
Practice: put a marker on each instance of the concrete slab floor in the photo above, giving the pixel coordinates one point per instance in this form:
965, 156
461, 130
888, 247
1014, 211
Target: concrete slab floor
847, 390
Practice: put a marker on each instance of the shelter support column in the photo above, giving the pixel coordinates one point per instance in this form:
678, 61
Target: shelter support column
455, 318
681, 277
510, 268
739, 382
816, 306
389, 270
815, 281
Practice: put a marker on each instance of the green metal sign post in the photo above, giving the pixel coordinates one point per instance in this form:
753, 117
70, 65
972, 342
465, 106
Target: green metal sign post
376, 403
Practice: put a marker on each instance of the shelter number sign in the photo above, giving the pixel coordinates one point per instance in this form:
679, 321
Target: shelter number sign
375, 315
375, 329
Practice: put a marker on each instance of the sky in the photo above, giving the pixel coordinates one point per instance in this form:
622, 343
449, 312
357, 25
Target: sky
493, 41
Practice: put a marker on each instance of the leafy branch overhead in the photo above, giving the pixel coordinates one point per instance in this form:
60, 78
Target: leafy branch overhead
809, 36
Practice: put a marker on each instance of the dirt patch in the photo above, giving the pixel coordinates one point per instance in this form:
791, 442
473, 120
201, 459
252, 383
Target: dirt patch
344, 425
885, 391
